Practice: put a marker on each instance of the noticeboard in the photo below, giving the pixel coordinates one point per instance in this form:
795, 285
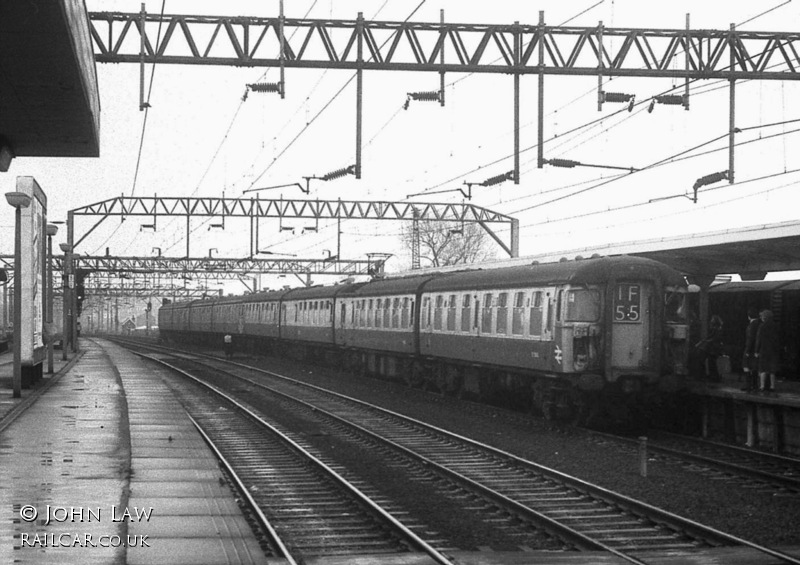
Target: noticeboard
33, 273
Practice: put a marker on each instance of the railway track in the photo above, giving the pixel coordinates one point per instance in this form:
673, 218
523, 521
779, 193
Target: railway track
307, 508
748, 467
584, 515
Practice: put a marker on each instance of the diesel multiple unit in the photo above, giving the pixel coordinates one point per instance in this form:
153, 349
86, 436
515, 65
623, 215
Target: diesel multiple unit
561, 337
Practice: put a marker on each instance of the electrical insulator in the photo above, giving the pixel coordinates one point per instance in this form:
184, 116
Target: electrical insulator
671, 99
565, 163
339, 173
620, 97
265, 87
498, 179
616, 97
429, 96
710, 179
426, 96
668, 99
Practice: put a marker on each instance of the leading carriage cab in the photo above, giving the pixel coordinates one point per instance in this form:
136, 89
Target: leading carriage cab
645, 340
648, 335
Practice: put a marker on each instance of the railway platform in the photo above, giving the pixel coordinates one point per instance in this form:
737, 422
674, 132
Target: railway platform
100, 464
101, 454
765, 420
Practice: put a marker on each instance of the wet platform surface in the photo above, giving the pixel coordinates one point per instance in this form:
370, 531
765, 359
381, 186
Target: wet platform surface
787, 392
110, 456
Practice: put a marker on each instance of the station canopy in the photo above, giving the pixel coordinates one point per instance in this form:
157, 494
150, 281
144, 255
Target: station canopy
751, 251
48, 83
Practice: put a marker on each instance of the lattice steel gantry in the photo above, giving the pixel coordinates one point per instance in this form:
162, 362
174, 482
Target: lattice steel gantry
512, 49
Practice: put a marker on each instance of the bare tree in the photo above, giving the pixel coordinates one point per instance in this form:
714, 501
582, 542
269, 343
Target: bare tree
449, 243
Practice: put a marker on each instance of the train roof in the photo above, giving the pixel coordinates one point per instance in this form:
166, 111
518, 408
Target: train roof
404, 285
584, 271
317, 292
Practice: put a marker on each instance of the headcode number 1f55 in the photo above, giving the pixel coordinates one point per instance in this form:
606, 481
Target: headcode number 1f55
627, 303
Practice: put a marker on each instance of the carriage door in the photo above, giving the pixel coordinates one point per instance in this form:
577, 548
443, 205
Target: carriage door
631, 325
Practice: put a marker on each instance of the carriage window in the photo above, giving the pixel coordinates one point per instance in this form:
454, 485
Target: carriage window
535, 321
486, 314
404, 316
466, 312
396, 313
583, 305
675, 306
369, 313
451, 313
437, 313
378, 312
387, 312
426, 311
559, 299
518, 316
502, 313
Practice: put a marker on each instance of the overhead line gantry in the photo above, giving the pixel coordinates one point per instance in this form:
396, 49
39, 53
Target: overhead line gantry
513, 49
255, 208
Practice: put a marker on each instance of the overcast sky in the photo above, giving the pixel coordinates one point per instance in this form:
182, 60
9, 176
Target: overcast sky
202, 140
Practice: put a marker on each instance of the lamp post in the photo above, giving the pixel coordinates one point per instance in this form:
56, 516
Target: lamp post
18, 200
65, 318
52, 230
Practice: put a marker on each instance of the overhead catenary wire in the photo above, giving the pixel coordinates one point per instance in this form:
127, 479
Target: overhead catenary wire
144, 121
325, 107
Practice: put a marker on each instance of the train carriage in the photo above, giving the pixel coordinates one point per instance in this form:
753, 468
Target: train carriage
584, 325
173, 319
556, 336
307, 314
262, 314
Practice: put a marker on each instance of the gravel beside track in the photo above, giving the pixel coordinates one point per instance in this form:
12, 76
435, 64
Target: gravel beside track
751, 513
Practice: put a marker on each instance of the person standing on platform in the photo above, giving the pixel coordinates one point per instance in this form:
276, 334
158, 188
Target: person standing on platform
712, 347
228, 343
767, 352
749, 360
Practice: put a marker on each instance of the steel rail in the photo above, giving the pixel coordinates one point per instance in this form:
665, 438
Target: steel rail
699, 530
245, 493
410, 536
551, 525
742, 470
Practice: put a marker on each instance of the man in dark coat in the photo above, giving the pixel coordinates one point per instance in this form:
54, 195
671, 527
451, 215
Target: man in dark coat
749, 360
767, 351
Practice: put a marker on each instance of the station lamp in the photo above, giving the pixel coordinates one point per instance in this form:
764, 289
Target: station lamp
18, 200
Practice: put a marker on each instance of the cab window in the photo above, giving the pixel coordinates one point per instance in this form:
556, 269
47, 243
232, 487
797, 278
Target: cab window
583, 305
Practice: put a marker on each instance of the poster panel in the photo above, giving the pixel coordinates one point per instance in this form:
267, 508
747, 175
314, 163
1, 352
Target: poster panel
33, 272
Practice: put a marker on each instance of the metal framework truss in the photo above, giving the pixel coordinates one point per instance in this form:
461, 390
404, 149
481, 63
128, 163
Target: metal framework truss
221, 268
168, 291
255, 208
281, 208
445, 47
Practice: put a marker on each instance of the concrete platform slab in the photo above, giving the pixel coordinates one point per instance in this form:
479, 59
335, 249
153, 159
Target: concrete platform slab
175, 474
192, 551
170, 506
176, 463
198, 526
195, 518
67, 451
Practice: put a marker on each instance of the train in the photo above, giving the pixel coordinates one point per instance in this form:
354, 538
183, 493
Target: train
566, 339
